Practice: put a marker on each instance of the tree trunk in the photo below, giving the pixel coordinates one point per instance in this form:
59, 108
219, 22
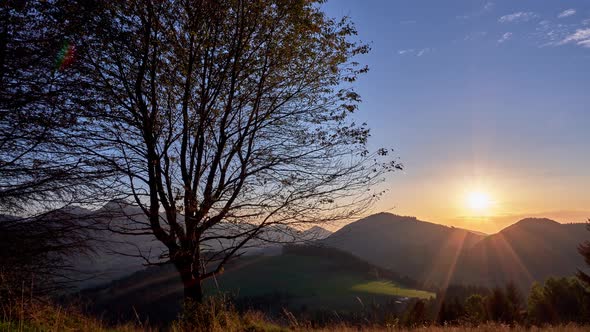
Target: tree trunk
193, 288
193, 291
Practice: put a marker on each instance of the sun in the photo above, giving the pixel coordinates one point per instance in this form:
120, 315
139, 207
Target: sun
478, 201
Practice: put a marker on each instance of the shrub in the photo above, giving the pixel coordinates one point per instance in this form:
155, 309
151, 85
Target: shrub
219, 314
559, 300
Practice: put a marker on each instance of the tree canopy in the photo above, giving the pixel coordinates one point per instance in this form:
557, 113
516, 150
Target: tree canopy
226, 119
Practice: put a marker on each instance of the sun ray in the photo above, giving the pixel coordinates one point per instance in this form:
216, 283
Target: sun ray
453, 246
505, 265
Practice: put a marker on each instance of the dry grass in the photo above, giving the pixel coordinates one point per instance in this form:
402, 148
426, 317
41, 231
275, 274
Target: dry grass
219, 314
482, 328
214, 317
38, 316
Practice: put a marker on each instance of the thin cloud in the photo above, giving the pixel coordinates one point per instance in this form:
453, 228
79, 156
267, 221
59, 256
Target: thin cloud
517, 17
505, 37
553, 34
423, 51
406, 51
416, 52
581, 37
566, 13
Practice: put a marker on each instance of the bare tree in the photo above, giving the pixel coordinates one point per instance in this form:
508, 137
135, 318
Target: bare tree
40, 168
228, 118
40, 92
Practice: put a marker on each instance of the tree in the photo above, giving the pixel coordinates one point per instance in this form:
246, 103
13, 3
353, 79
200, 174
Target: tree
40, 170
559, 300
40, 92
415, 313
538, 309
37, 253
514, 303
450, 312
584, 250
228, 119
497, 306
475, 309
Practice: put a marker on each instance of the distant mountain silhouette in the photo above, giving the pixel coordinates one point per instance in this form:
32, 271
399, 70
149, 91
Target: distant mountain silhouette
421, 250
116, 255
531, 249
317, 232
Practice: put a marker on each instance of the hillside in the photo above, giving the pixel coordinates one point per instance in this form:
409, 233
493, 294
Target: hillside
116, 255
532, 249
301, 278
421, 250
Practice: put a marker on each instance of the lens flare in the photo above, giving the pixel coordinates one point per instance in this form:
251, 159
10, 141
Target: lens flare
66, 55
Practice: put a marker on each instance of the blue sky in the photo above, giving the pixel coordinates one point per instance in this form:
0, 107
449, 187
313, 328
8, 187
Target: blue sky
491, 96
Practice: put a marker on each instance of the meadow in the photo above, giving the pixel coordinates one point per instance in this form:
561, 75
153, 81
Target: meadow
301, 279
314, 281
32, 317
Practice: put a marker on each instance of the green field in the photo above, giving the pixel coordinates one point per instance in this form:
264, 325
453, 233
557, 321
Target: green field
390, 288
314, 281
299, 279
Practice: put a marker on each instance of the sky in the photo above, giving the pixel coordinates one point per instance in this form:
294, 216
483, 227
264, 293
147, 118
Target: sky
488, 98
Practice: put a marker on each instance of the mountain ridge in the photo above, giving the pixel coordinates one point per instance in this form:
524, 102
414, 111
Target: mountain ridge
437, 254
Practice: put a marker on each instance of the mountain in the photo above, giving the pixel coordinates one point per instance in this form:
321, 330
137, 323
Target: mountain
116, 255
421, 250
531, 249
79, 225
316, 233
